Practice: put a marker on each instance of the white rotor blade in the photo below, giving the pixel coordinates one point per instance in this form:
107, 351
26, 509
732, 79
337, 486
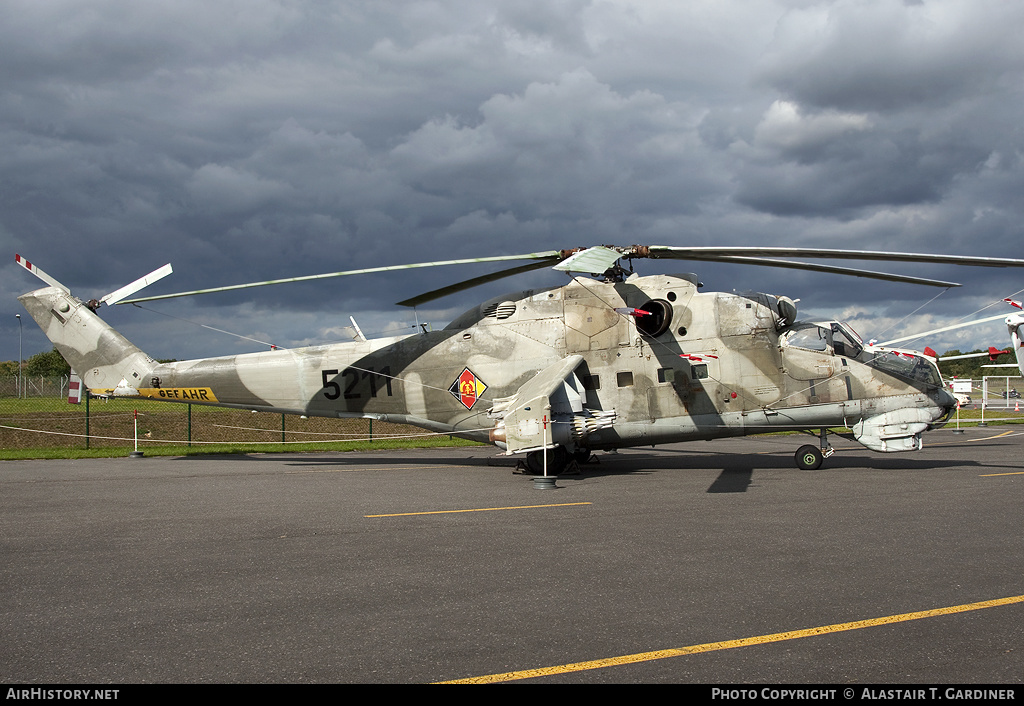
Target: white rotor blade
941, 330
550, 255
596, 259
39, 273
714, 252
129, 289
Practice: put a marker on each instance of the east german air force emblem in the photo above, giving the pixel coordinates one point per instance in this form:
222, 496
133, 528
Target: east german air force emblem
467, 388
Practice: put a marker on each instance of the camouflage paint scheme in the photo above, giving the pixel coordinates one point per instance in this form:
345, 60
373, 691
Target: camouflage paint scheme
575, 367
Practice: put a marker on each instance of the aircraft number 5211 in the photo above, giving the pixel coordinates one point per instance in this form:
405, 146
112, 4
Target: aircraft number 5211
352, 377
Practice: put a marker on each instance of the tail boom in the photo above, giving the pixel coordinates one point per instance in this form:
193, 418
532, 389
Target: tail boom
103, 358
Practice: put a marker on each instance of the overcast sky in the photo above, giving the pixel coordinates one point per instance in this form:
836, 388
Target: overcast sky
257, 139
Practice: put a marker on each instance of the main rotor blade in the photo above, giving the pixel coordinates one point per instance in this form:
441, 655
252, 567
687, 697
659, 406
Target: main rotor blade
814, 267
714, 253
470, 283
545, 256
596, 260
735, 254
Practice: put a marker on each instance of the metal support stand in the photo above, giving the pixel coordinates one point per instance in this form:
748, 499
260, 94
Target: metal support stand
136, 453
545, 482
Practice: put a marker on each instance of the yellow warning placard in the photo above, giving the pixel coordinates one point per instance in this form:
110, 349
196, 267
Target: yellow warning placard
179, 394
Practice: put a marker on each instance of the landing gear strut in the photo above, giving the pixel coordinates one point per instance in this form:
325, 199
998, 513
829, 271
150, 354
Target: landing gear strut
810, 458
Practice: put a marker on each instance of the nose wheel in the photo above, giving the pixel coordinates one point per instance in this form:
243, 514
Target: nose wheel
810, 458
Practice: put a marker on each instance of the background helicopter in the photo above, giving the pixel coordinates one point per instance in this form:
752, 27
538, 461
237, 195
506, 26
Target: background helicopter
1013, 322
611, 361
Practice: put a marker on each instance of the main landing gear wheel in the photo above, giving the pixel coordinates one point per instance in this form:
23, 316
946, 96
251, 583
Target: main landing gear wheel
809, 458
558, 459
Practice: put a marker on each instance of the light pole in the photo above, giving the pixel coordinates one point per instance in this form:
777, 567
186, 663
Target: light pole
18, 316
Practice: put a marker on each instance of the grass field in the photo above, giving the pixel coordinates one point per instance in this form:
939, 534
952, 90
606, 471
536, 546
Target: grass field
51, 428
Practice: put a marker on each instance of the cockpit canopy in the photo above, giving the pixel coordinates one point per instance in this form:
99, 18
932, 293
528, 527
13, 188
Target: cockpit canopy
837, 338
830, 335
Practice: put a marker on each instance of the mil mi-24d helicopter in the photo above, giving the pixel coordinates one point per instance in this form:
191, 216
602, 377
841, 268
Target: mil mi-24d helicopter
604, 362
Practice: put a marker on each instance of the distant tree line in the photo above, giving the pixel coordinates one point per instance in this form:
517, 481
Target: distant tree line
970, 368
49, 364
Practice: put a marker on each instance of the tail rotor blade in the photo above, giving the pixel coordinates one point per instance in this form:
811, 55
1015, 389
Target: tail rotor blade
39, 273
129, 289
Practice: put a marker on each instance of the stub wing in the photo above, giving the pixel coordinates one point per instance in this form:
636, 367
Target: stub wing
549, 410
527, 420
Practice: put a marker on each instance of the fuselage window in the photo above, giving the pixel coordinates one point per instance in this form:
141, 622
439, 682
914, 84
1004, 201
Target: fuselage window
843, 344
812, 338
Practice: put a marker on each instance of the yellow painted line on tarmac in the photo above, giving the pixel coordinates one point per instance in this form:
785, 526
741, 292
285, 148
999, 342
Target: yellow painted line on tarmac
989, 438
730, 644
476, 509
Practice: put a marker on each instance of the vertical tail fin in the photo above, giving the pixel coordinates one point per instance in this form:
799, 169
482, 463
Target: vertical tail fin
103, 358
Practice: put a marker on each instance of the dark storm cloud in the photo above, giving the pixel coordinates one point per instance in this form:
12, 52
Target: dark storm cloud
838, 165
268, 139
918, 97
892, 56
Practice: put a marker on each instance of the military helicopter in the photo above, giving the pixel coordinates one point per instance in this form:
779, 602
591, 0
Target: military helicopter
607, 361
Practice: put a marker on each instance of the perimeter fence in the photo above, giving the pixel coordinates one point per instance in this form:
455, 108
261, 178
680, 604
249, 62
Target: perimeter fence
992, 392
41, 418
36, 415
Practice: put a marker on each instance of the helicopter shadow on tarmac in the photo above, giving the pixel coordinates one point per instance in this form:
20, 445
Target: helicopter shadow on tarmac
737, 470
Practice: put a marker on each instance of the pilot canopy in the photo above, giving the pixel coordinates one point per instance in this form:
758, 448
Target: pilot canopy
832, 336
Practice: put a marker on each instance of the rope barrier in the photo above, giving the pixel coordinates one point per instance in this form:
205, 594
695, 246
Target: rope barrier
184, 441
